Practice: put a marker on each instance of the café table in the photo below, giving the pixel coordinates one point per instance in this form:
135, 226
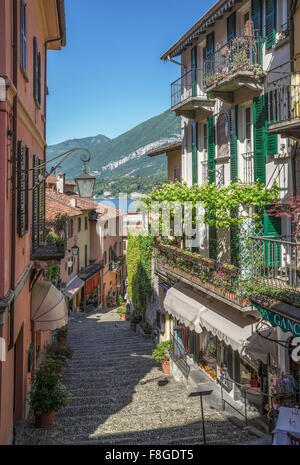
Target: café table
288, 422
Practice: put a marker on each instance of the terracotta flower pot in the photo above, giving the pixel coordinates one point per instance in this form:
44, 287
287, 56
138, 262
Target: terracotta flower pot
123, 317
45, 419
62, 341
165, 365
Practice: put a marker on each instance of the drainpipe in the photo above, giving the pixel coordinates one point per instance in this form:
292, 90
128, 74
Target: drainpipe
13, 171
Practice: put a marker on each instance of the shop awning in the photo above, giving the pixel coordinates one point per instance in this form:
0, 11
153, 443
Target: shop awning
258, 347
191, 309
48, 307
75, 285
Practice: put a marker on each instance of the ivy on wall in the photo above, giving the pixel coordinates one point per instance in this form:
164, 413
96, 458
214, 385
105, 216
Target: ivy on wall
139, 265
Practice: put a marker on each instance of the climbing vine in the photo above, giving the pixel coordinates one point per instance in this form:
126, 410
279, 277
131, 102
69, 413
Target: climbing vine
139, 263
218, 202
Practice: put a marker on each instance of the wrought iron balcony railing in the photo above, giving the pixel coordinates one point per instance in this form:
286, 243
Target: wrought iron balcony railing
188, 85
221, 280
284, 101
276, 261
52, 243
239, 54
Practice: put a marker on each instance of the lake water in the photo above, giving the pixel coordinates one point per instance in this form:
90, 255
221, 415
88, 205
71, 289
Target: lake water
126, 205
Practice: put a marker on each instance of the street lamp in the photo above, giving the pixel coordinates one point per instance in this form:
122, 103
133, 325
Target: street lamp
75, 250
85, 182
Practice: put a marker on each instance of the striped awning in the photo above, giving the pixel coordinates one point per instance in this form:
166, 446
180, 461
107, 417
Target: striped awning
199, 28
48, 307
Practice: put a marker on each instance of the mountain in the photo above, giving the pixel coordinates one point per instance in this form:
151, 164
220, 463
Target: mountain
126, 154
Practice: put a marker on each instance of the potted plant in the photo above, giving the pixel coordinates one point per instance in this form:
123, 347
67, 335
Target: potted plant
120, 299
47, 395
161, 354
121, 311
61, 335
59, 351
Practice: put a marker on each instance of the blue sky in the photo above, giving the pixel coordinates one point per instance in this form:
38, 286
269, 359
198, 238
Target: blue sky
109, 77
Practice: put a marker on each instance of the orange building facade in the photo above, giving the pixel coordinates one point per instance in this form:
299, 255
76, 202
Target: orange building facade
27, 30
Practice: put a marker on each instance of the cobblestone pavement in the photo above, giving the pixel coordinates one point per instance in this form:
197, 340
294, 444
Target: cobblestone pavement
120, 395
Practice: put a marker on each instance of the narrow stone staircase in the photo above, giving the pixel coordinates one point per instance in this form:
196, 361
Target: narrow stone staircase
120, 395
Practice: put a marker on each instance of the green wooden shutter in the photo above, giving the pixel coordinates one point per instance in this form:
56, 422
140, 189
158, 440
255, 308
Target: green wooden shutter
211, 149
271, 140
41, 171
26, 189
259, 118
233, 143
231, 27
256, 13
39, 83
272, 227
195, 152
35, 203
270, 23
21, 189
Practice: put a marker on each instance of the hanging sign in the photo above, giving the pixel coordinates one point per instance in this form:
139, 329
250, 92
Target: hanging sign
277, 320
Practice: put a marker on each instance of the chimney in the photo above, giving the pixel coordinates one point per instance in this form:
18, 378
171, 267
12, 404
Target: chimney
73, 202
60, 183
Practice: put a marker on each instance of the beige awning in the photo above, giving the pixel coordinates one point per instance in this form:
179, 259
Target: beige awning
258, 347
73, 288
191, 309
48, 307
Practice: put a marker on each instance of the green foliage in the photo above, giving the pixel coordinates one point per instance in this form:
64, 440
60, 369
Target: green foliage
53, 273
162, 351
47, 392
139, 265
253, 288
129, 184
145, 327
217, 202
61, 333
121, 310
59, 351
120, 298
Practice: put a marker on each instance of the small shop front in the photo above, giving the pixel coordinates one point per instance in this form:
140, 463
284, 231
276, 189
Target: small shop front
217, 345
73, 292
92, 291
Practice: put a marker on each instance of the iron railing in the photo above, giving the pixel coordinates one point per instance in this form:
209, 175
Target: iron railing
190, 84
216, 278
275, 261
248, 168
284, 99
179, 356
239, 54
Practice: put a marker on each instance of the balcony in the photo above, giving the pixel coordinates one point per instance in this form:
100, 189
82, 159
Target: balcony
53, 247
188, 97
284, 108
234, 70
219, 280
276, 271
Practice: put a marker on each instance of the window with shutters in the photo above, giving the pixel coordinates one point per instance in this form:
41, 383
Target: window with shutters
210, 50
36, 73
35, 201
23, 33
79, 224
271, 140
41, 213
231, 27
85, 255
21, 189
85, 222
194, 70
256, 13
211, 149
195, 152
233, 143
259, 119
270, 23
